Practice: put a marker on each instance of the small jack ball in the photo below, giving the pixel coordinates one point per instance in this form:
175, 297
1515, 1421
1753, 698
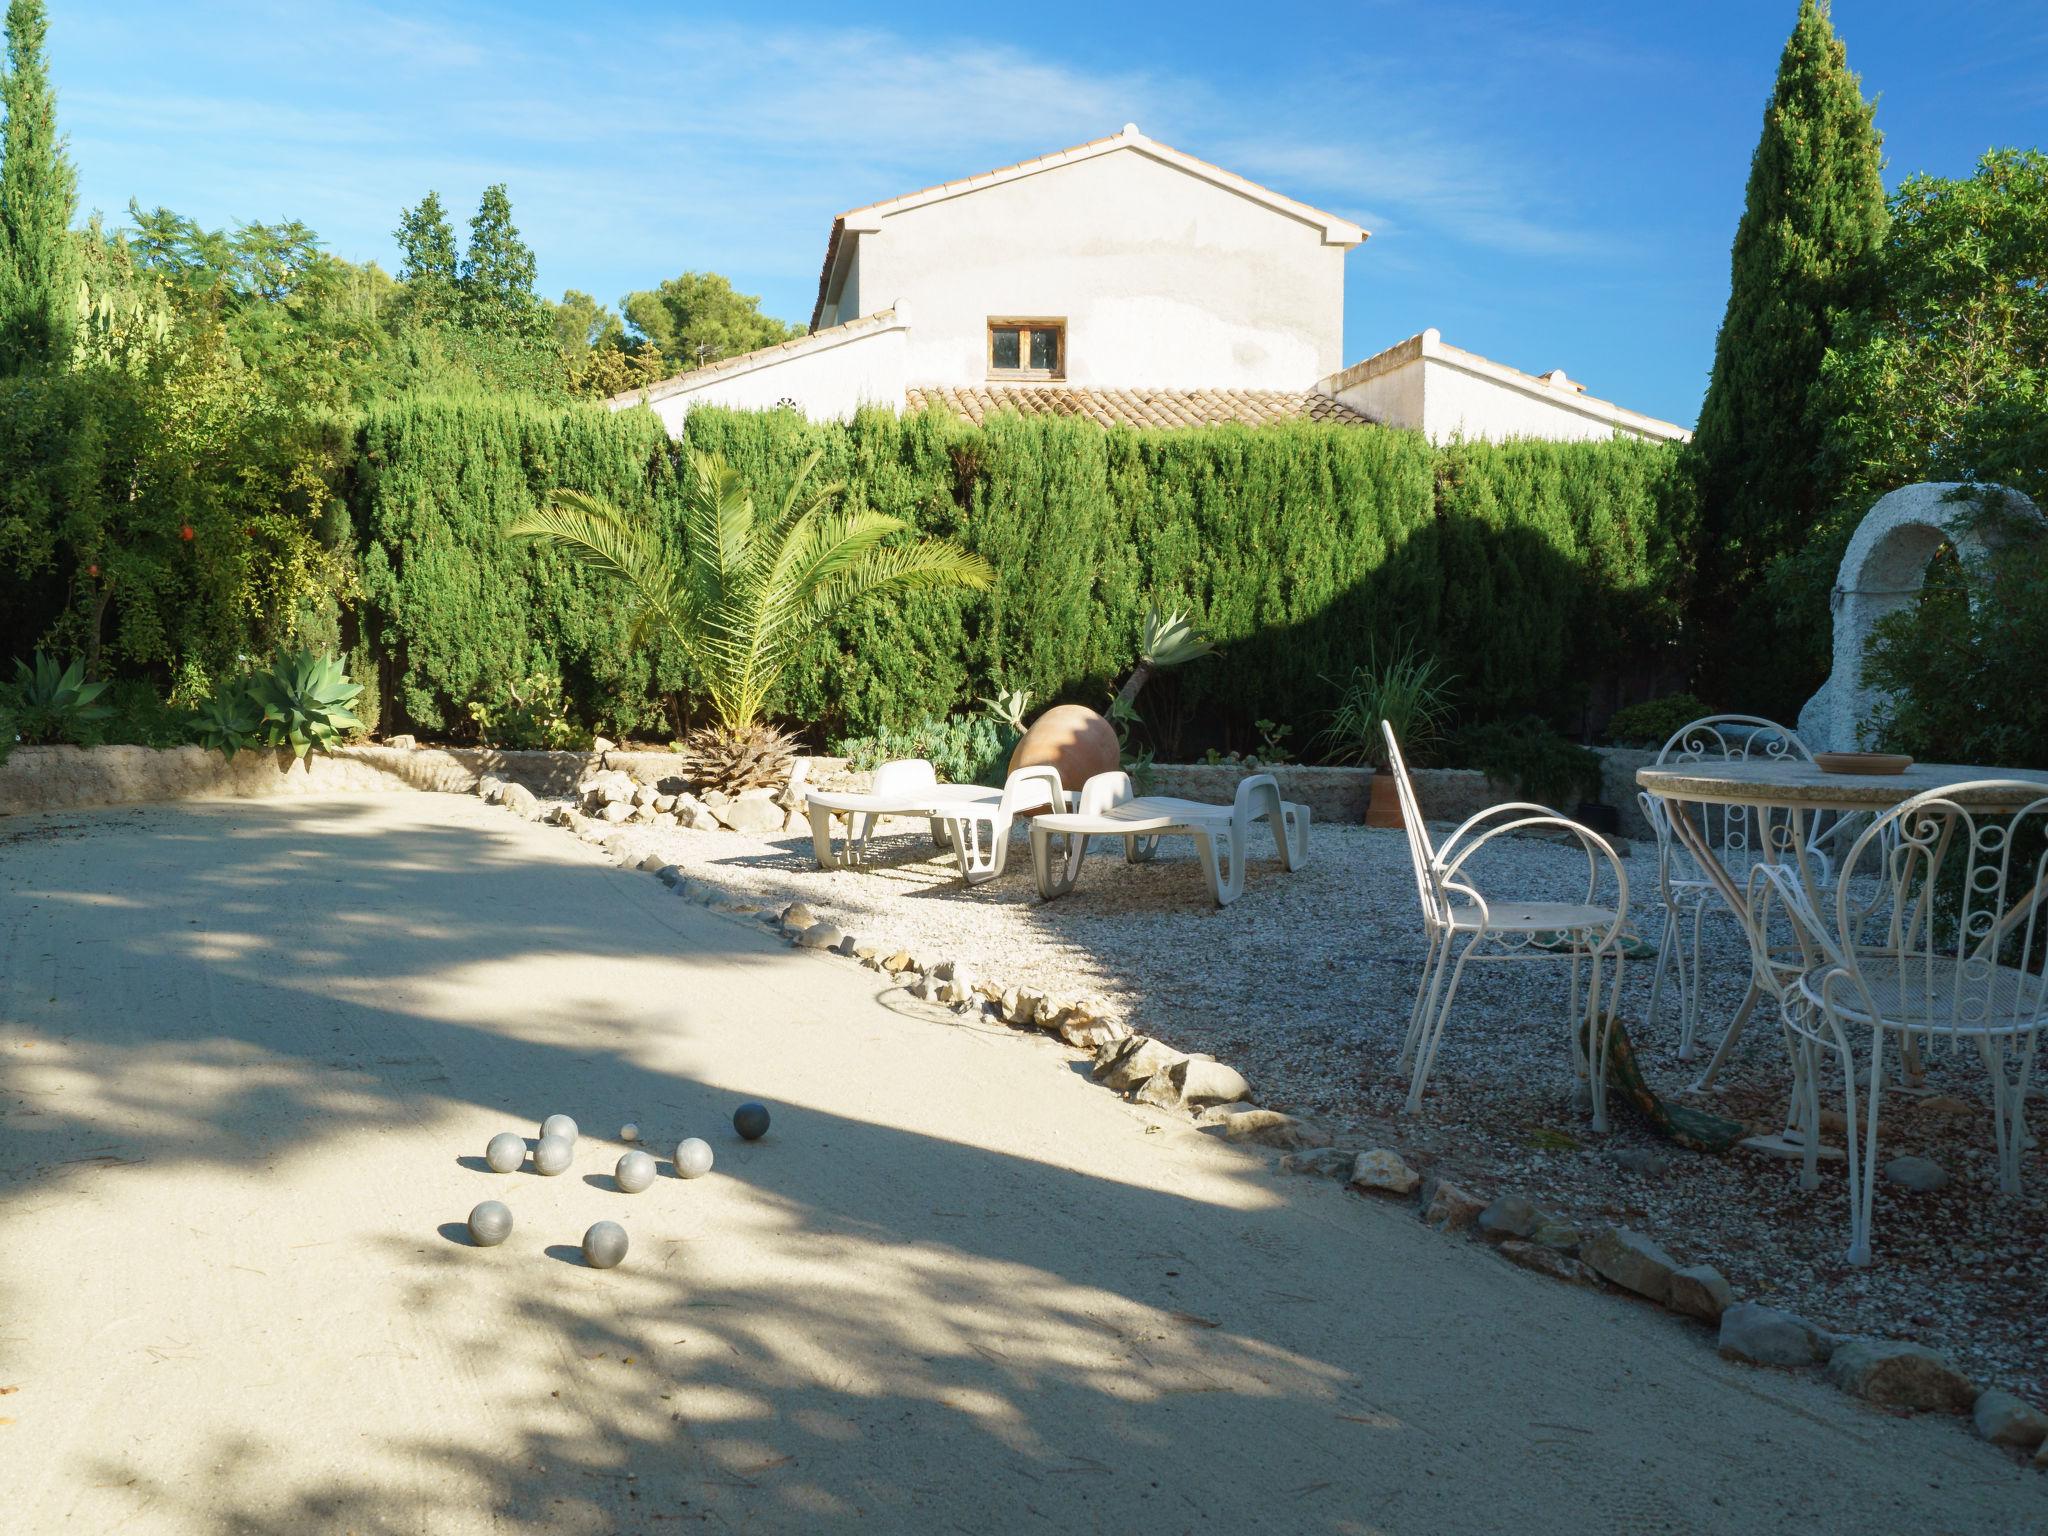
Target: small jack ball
553, 1155
604, 1245
559, 1125
693, 1158
629, 1132
751, 1121
506, 1152
490, 1224
635, 1172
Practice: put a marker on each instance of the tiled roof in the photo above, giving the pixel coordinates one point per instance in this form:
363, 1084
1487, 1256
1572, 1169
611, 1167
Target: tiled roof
809, 341
1137, 407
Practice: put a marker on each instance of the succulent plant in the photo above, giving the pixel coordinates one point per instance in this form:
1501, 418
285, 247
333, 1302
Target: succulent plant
52, 703
303, 701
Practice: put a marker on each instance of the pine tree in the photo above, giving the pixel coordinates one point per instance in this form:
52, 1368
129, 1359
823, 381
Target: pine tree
427, 260
38, 195
1812, 221
497, 272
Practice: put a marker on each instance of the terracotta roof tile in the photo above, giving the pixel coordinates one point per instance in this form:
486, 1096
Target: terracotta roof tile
1136, 407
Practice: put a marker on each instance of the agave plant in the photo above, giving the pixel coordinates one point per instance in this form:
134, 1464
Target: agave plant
754, 583
302, 701
52, 703
227, 722
1166, 641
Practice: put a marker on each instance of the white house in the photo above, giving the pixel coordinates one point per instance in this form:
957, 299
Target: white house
1121, 280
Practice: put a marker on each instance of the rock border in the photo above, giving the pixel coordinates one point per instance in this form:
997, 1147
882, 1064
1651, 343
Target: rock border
1896, 1375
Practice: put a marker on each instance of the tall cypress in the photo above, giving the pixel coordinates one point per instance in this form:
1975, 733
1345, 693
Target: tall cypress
1812, 220
498, 271
38, 195
427, 262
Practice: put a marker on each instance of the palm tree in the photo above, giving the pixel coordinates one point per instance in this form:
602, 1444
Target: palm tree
753, 586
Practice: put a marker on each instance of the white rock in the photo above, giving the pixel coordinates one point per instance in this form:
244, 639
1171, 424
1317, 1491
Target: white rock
1383, 1169
2004, 1419
1923, 1174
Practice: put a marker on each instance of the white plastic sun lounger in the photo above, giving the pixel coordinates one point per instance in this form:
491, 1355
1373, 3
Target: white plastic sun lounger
1222, 833
957, 813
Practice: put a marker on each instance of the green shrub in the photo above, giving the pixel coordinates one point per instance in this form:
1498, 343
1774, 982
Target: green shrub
1406, 690
1539, 567
1529, 754
297, 702
1654, 721
964, 749
142, 718
50, 703
528, 715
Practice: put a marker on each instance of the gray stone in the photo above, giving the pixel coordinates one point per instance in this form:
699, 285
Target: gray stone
1896, 1374
752, 815
1321, 1162
798, 916
1546, 1261
1700, 1290
671, 877
1631, 1261
820, 936
521, 801
698, 818
2041, 1457
1449, 1207
1199, 1081
665, 803
490, 788
1765, 1335
1559, 1234
615, 789
1382, 1169
2004, 1419
1923, 1174
1126, 1064
1272, 1128
1511, 1216
1085, 1033
643, 794
616, 811
653, 863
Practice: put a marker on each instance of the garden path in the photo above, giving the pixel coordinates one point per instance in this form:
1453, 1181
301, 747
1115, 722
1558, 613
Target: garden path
250, 1054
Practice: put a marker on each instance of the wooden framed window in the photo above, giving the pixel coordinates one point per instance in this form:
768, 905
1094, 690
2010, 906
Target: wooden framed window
1027, 349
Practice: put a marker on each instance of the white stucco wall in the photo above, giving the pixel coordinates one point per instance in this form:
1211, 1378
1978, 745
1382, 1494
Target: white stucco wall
829, 378
1165, 280
1446, 392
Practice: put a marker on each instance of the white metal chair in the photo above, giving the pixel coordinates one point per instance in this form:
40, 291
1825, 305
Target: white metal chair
907, 787
1937, 941
1739, 834
1222, 833
1465, 926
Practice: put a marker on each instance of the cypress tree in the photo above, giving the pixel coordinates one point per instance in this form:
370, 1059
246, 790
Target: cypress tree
497, 271
427, 260
1812, 220
38, 194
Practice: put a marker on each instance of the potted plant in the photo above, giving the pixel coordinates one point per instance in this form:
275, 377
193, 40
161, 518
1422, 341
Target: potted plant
1408, 691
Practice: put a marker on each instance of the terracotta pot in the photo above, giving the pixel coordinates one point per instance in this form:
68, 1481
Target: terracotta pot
1384, 809
1077, 741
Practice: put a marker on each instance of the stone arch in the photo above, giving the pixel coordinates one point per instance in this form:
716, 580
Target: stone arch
1882, 572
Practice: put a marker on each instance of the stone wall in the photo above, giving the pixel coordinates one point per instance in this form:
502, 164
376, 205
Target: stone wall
72, 778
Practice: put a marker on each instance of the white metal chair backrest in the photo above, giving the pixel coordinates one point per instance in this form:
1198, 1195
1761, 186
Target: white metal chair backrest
1954, 936
904, 776
1739, 833
1435, 908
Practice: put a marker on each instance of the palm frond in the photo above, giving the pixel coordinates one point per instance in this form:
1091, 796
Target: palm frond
592, 533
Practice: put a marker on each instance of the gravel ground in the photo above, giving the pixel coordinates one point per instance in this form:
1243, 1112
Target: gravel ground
1305, 986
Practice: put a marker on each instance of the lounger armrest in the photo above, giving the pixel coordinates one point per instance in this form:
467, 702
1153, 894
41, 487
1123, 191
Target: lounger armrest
1105, 791
1029, 789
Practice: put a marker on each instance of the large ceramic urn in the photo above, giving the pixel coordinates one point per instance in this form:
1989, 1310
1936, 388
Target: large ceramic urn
1077, 741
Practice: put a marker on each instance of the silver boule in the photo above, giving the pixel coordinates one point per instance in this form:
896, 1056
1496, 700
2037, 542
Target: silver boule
635, 1172
604, 1245
490, 1224
693, 1158
553, 1155
506, 1152
558, 1125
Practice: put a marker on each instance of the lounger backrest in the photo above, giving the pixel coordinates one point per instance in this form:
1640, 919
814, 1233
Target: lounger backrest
905, 776
1033, 789
1104, 791
1419, 850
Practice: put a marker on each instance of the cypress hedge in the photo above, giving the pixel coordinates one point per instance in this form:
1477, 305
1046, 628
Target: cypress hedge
1531, 569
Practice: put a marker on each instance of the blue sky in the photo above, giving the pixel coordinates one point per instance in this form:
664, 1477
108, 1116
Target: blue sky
1553, 190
